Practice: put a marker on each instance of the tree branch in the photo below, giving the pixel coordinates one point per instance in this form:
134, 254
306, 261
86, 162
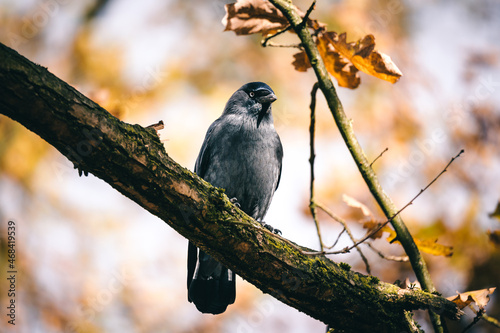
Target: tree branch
133, 161
312, 157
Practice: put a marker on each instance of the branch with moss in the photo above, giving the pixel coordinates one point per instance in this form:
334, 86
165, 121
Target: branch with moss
345, 127
132, 160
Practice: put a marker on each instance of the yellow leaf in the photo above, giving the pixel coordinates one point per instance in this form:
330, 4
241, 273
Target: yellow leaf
362, 54
432, 247
427, 246
480, 297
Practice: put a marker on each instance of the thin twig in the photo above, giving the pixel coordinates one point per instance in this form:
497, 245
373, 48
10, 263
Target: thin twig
432, 182
379, 156
290, 46
386, 257
493, 321
312, 205
478, 316
337, 240
374, 231
346, 228
309, 11
265, 41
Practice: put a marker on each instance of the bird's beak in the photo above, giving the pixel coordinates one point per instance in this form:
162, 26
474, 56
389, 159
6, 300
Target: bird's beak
267, 99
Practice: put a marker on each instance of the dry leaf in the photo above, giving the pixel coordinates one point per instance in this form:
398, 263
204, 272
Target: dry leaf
247, 17
363, 56
350, 201
427, 246
494, 237
338, 66
496, 212
342, 60
301, 62
480, 297
373, 225
432, 247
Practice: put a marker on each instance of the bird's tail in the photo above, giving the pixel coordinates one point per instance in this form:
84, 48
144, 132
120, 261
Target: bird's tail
211, 286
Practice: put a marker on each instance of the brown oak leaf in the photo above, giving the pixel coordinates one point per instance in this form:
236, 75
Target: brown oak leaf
480, 297
337, 65
247, 17
301, 62
363, 55
342, 60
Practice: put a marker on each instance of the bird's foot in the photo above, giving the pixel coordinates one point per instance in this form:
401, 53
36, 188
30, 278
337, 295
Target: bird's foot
81, 171
235, 202
270, 228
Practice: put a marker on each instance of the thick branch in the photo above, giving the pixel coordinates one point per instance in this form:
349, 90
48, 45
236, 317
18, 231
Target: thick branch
133, 161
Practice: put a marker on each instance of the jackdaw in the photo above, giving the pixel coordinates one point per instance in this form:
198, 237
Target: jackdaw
242, 154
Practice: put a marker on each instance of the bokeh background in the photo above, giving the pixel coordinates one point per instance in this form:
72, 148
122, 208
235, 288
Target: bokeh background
91, 260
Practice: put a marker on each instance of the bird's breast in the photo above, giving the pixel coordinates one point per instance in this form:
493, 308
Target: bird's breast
246, 165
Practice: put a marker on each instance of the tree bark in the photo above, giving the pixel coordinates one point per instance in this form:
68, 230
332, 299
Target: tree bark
133, 161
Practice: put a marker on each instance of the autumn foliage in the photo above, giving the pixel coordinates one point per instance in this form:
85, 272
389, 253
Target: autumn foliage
169, 60
342, 59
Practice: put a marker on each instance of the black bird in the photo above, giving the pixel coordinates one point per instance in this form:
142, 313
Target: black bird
242, 153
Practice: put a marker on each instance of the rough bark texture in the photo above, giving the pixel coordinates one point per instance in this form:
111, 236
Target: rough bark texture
133, 161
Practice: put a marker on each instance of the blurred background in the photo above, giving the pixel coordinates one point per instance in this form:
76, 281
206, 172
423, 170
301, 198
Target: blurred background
91, 260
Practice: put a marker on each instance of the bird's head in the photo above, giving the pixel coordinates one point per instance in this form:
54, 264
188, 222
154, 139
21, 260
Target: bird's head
253, 99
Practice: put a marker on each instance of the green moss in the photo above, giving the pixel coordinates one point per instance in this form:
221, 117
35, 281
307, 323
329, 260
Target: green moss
345, 266
374, 279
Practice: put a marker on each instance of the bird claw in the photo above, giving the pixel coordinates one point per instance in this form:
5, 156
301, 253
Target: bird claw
270, 228
81, 171
235, 202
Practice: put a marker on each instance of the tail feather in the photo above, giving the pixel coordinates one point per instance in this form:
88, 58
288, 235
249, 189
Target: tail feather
211, 286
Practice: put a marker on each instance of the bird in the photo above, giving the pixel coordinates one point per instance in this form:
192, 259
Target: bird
242, 153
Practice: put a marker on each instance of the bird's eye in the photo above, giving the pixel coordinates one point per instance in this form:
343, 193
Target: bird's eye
251, 94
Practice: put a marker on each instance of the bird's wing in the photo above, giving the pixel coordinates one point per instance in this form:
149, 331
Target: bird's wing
202, 162
192, 259
279, 155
